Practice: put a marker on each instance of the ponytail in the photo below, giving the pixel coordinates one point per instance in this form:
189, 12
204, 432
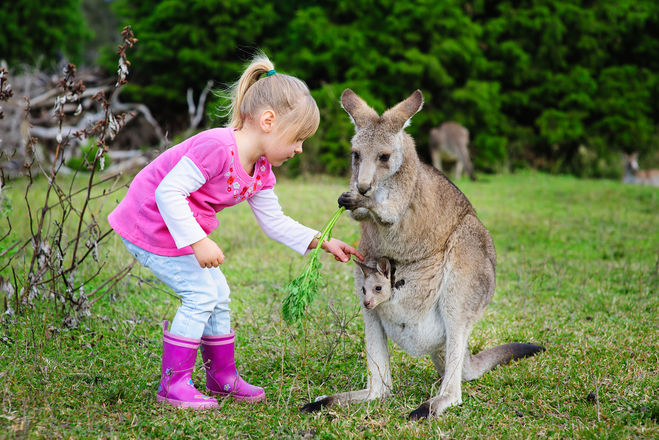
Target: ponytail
288, 96
259, 65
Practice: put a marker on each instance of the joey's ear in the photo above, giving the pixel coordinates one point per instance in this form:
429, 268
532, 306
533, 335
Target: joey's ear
398, 117
384, 266
366, 270
360, 113
360, 266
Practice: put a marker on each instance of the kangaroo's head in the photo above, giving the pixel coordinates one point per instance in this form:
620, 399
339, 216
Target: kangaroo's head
631, 162
380, 142
377, 283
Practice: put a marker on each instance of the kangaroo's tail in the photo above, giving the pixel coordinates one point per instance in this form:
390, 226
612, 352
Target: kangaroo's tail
476, 365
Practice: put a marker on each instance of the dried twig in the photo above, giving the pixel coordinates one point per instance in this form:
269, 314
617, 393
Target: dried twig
57, 253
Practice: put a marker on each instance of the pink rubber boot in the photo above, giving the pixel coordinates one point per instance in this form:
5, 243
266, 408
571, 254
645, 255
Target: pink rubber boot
178, 359
222, 378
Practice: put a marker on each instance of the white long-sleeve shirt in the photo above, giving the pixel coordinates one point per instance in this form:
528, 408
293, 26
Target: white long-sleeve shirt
185, 178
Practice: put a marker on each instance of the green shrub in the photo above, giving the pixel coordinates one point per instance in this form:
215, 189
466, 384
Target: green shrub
85, 161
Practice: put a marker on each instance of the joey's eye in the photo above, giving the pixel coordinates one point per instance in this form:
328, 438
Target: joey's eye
355, 155
364, 290
384, 157
378, 288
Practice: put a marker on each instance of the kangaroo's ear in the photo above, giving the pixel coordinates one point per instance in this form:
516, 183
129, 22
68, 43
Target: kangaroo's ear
384, 266
399, 116
360, 113
366, 270
361, 267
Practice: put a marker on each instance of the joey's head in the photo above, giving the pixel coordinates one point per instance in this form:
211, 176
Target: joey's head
380, 142
377, 283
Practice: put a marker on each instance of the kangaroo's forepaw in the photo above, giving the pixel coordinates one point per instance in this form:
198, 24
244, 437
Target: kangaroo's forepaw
316, 405
350, 200
422, 412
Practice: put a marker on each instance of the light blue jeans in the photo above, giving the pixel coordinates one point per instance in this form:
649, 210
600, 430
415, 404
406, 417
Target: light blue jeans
204, 292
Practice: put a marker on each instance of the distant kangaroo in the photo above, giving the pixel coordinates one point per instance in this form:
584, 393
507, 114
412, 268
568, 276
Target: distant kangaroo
444, 257
635, 175
450, 142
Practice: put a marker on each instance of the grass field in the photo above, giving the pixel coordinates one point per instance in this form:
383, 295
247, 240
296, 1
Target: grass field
577, 272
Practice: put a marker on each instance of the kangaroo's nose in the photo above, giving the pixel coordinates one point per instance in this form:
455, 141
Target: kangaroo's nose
363, 189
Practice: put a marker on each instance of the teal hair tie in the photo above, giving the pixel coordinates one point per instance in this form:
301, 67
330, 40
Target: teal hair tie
271, 72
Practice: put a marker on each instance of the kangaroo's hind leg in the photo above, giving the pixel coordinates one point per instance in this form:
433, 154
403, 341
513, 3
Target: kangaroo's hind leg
450, 392
465, 291
439, 361
379, 369
458, 169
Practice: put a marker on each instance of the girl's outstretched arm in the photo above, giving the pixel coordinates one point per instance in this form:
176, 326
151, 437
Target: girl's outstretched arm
339, 249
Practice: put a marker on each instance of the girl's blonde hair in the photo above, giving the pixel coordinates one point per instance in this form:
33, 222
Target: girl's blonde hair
287, 96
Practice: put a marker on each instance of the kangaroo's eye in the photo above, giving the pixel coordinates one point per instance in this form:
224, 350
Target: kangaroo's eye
364, 290
384, 157
355, 156
378, 288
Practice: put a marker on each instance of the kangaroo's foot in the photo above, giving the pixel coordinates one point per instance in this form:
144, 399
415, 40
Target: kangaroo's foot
318, 404
342, 399
434, 407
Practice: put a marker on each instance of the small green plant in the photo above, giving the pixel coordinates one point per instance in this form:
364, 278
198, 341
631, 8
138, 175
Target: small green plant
302, 290
87, 158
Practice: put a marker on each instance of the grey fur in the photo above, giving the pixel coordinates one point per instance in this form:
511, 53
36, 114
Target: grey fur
410, 213
450, 142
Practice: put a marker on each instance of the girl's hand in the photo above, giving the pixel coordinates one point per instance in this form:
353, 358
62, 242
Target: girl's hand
208, 253
340, 250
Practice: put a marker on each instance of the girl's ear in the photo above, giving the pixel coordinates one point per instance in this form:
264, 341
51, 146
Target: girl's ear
266, 121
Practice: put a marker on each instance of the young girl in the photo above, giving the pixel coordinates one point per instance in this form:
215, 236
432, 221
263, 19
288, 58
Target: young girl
171, 207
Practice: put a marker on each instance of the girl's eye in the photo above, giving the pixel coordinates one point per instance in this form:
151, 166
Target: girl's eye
378, 288
384, 157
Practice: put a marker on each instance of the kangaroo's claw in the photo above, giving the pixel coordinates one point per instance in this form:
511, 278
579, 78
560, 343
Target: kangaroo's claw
348, 200
316, 406
422, 412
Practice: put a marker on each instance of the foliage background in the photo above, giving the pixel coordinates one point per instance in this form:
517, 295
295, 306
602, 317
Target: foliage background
562, 86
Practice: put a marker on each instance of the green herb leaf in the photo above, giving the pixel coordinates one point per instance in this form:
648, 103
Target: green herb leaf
302, 290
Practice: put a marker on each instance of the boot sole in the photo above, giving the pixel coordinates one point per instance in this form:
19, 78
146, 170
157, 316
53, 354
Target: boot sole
186, 404
237, 397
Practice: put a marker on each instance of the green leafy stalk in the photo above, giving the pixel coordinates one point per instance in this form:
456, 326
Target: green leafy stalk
302, 290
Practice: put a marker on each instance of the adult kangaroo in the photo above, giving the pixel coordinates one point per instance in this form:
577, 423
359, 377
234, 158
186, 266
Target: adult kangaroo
633, 173
450, 142
413, 215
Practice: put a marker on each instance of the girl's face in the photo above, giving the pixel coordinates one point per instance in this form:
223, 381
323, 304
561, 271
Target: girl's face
278, 147
282, 150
